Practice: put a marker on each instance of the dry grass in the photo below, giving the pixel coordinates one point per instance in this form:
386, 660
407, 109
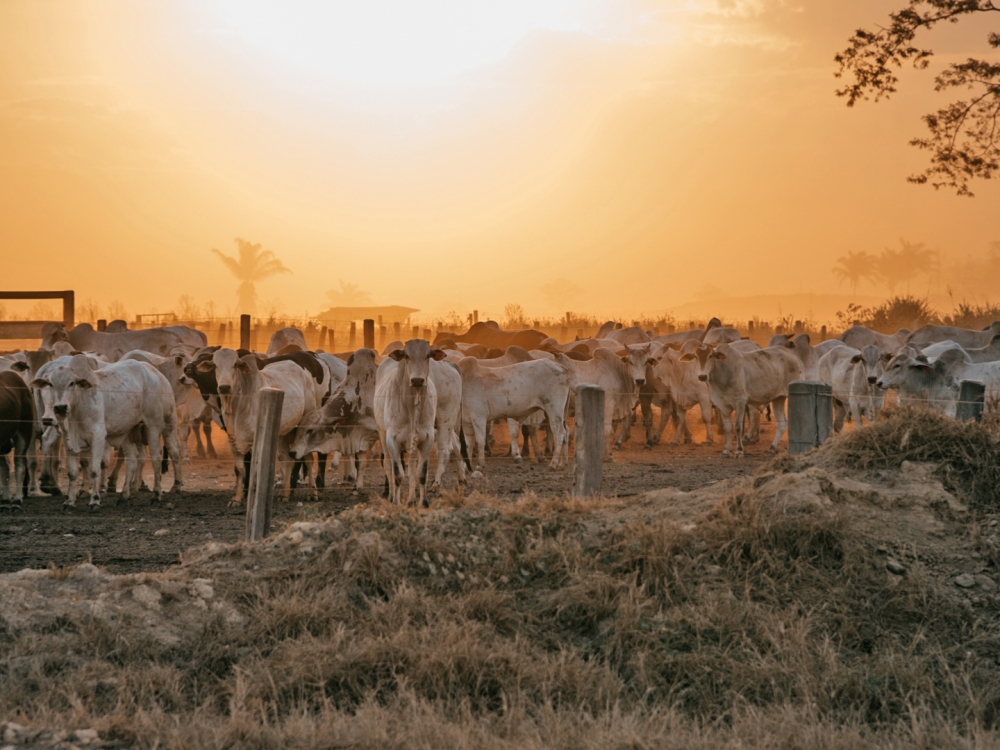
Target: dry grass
543, 624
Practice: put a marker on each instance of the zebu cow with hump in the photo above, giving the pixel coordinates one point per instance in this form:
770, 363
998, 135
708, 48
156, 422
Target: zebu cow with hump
801, 347
737, 380
988, 353
284, 339
624, 336
608, 371
716, 333
964, 337
494, 338
853, 374
686, 391
514, 392
112, 346
346, 422
406, 413
17, 433
238, 381
111, 406
858, 337
190, 337
641, 360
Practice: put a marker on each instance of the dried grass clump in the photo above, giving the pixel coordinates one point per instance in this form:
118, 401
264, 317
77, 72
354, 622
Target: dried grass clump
535, 624
968, 453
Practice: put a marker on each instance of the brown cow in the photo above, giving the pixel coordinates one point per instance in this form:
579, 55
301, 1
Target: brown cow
495, 338
17, 431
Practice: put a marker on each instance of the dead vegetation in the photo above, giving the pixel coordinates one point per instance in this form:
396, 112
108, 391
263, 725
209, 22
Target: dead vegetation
758, 613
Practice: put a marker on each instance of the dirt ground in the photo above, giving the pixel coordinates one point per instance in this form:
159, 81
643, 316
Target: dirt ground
137, 535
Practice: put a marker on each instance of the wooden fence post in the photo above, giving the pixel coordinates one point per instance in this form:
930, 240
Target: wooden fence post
381, 338
397, 332
589, 430
822, 334
352, 339
322, 337
971, 399
222, 335
332, 347
810, 415
102, 324
244, 332
369, 333
475, 316
265, 454
254, 338
427, 334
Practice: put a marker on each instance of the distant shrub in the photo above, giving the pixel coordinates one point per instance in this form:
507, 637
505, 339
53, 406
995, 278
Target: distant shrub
893, 314
968, 315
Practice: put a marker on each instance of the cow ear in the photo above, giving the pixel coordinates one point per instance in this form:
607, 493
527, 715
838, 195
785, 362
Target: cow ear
653, 361
687, 357
856, 358
350, 360
19, 367
886, 356
242, 366
437, 355
39, 383
179, 360
923, 367
82, 383
789, 345
397, 354
718, 355
206, 366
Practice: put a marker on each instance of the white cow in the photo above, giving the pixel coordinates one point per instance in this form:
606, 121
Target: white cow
988, 353
686, 391
612, 373
852, 374
737, 380
514, 392
113, 346
405, 408
239, 381
97, 409
938, 383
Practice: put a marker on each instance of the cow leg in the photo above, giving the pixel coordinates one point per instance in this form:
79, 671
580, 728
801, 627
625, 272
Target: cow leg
153, 440
50, 445
209, 445
34, 472
242, 473
535, 446
73, 474
557, 426
839, 412
4, 483
390, 456
780, 418
646, 405
22, 444
183, 433
513, 428
131, 452
97, 448
172, 447
321, 469
116, 467
741, 409
727, 428
479, 434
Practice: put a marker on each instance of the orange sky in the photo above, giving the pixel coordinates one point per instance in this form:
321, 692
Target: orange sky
451, 155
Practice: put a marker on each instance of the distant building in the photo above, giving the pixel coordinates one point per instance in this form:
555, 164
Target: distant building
389, 314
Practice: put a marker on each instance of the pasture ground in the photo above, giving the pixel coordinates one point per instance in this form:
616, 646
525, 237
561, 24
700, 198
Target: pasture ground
121, 537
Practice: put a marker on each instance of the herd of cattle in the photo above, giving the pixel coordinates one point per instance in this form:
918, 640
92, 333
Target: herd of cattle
103, 399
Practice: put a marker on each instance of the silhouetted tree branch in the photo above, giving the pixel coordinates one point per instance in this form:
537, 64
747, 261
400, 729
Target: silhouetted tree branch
964, 139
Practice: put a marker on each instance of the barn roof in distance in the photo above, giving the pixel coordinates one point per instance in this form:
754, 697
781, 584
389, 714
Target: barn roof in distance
389, 313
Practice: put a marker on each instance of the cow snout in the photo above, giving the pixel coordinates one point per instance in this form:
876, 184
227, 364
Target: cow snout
417, 382
48, 421
61, 410
225, 389
881, 385
640, 381
703, 378
872, 380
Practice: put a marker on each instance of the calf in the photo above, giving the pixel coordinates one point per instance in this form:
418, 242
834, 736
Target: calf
737, 380
852, 374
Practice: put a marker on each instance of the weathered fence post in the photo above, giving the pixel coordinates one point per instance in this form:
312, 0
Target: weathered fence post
369, 333
322, 337
822, 334
222, 335
254, 338
475, 317
244, 332
381, 337
352, 338
416, 332
102, 324
265, 454
332, 347
810, 414
427, 334
397, 331
589, 429
971, 399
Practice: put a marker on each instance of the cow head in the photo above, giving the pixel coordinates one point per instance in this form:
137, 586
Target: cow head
871, 359
223, 365
900, 368
706, 357
637, 359
415, 359
61, 387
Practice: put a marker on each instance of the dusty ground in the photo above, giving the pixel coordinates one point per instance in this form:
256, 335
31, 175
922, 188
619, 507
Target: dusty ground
123, 538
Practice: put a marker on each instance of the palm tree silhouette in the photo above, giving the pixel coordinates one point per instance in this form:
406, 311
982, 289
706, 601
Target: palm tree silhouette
905, 264
254, 264
854, 267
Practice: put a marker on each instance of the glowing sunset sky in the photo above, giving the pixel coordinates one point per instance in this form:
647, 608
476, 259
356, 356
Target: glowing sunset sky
457, 154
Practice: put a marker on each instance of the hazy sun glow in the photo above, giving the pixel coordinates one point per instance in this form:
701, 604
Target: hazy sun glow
393, 42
